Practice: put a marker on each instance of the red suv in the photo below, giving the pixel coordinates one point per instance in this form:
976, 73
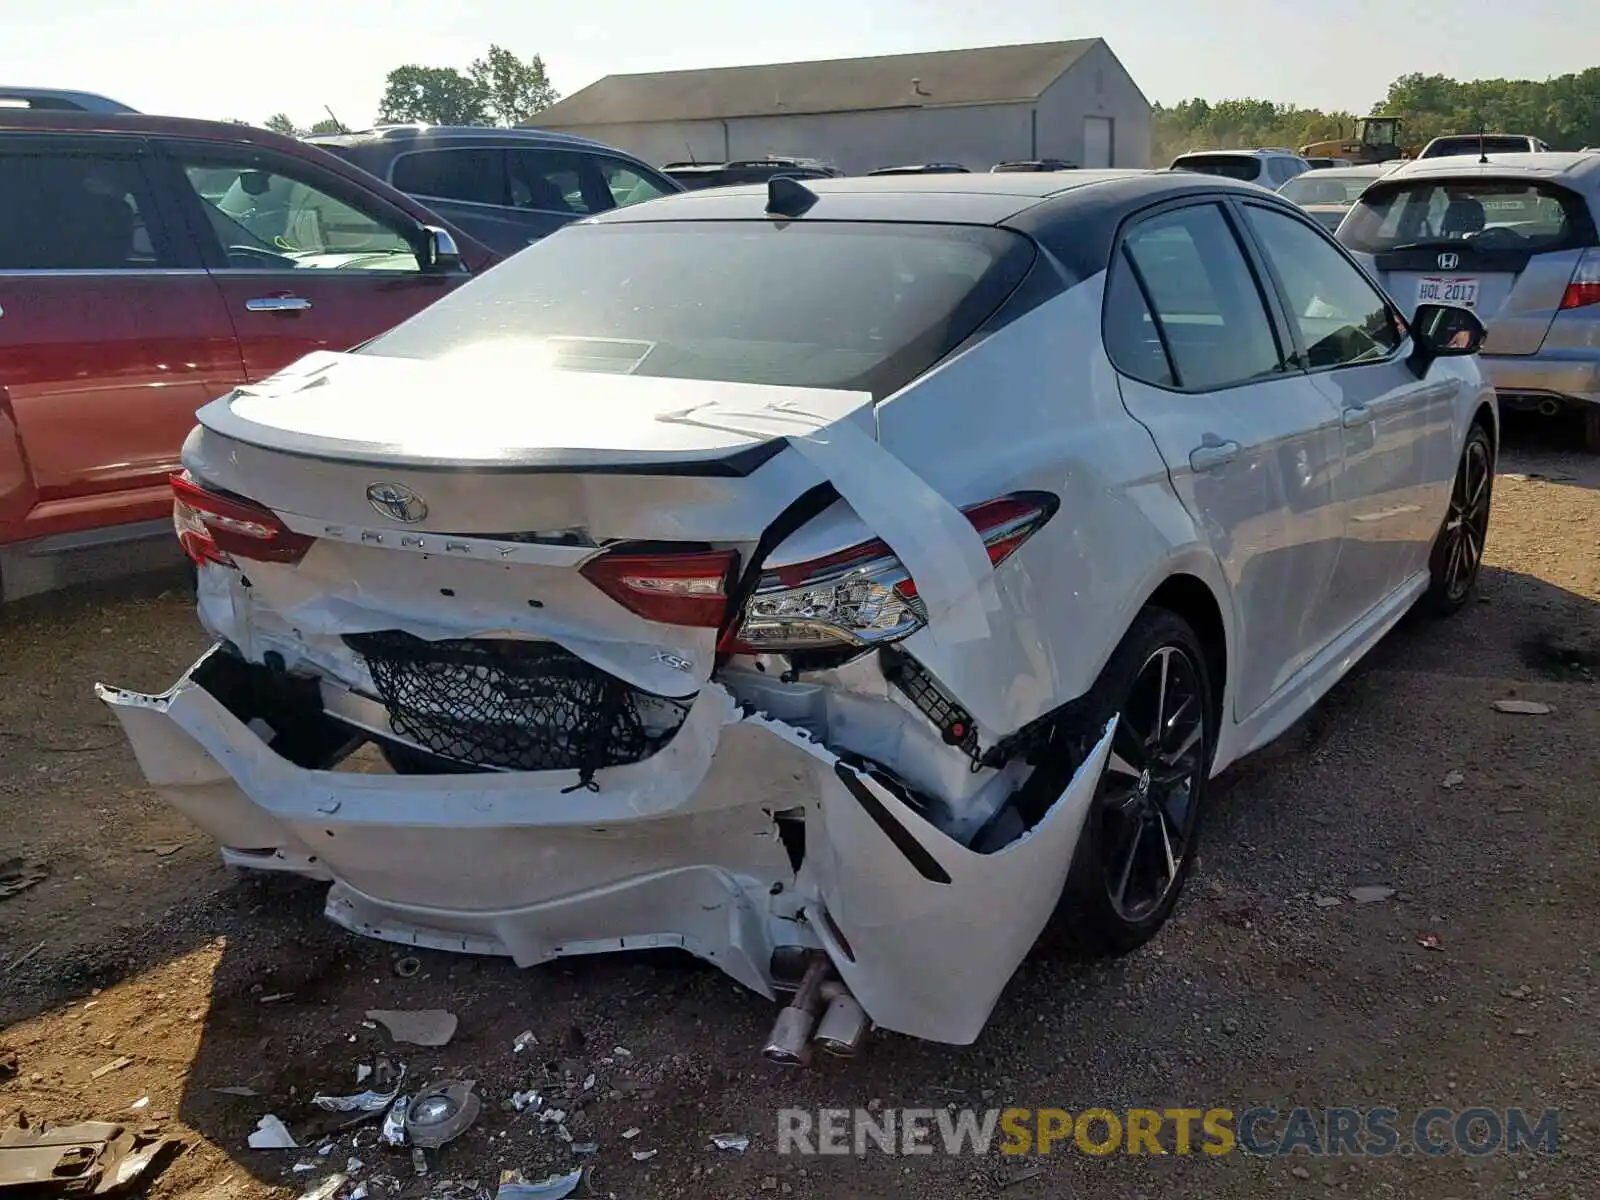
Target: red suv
147, 266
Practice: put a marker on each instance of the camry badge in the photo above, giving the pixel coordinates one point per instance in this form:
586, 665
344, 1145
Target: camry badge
396, 501
1449, 262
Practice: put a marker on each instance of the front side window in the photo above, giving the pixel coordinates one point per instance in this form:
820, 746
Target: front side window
1476, 213
267, 219
477, 176
77, 212
1212, 316
1325, 187
1342, 318
813, 304
628, 186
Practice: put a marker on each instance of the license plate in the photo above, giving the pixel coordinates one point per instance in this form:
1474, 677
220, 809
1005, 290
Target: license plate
1444, 289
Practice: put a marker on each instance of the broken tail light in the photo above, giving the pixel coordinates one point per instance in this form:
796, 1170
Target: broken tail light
216, 528
864, 596
1584, 289
672, 588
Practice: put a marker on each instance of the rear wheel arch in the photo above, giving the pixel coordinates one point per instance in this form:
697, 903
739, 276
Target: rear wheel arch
1190, 597
1486, 416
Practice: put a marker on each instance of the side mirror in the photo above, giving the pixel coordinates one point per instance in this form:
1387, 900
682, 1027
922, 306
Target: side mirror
1443, 331
440, 252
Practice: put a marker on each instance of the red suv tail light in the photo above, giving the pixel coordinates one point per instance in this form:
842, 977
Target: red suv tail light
214, 528
674, 589
1584, 289
864, 595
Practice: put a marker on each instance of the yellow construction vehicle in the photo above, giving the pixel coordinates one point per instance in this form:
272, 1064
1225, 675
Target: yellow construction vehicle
1374, 140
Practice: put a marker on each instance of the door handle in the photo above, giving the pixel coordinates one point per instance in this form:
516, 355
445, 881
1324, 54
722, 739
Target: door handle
1212, 454
1357, 416
277, 304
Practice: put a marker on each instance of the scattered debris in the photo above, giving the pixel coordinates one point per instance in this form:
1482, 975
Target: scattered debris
275, 997
422, 1027
1520, 992
324, 1150
353, 1166
116, 1064
408, 966
1371, 894
1529, 708
17, 875
523, 1041
272, 1134
588, 1084
394, 1123
17, 962
629, 1134
1453, 779
236, 1091
622, 1052
737, 1142
525, 1100
1521, 1031
1431, 941
165, 850
1300, 1173
442, 1113
141, 1102
362, 1071
91, 1158
514, 1187
327, 1189
554, 1116
374, 1100
300, 1168
586, 1147
642, 1155
1326, 901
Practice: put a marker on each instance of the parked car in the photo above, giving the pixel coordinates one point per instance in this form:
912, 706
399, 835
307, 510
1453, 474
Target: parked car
506, 187
1269, 168
1515, 242
935, 168
147, 265
1032, 165
692, 176
1487, 143
1328, 194
58, 100
1319, 164
742, 628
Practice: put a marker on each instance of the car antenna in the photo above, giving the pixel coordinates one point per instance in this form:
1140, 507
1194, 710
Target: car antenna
788, 197
343, 128
1483, 155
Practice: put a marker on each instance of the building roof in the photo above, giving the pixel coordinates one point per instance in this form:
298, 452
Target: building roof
987, 75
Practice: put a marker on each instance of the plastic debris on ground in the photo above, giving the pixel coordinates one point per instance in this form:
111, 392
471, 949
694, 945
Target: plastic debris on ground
272, 1134
327, 1189
362, 1071
1371, 894
141, 1102
629, 1134
407, 967
736, 1142
641, 1155
353, 1166
422, 1027
1452, 780
554, 1116
514, 1187
1430, 941
586, 1148
300, 1168
115, 1064
89, 1158
523, 1041
386, 1086
526, 1100
442, 1113
394, 1123
236, 1091
1527, 708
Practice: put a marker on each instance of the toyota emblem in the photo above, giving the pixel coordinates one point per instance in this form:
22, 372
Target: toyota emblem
1449, 262
397, 502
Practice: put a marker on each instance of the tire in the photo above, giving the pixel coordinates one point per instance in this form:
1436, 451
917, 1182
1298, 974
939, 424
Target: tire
1590, 430
1457, 553
1096, 917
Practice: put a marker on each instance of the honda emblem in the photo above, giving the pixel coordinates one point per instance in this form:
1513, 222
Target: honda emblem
1449, 262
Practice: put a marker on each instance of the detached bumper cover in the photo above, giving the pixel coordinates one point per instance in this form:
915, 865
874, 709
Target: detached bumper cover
679, 850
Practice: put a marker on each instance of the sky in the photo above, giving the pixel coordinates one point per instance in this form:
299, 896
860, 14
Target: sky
211, 58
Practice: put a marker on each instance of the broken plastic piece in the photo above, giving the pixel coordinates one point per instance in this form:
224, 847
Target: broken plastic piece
327, 1189
394, 1123
1528, 708
514, 1187
115, 1064
371, 1101
1371, 894
236, 1091
362, 1071
442, 1113
642, 1155
525, 1100
423, 1027
737, 1142
272, 1134
586, 1147
88, 1159
523, 1041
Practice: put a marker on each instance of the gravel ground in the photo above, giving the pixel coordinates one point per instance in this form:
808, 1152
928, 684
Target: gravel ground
1261, 991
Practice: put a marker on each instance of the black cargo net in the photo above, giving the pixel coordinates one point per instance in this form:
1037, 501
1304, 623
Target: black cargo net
513, 705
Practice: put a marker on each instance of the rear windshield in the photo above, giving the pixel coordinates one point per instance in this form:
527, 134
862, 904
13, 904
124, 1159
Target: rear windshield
810, 304
1235, 166
1468, 144
1321, 187
1488, 214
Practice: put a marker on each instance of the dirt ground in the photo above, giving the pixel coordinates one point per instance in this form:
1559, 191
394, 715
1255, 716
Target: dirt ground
138, 944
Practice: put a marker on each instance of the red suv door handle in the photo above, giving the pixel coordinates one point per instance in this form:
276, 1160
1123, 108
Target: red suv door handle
277, 304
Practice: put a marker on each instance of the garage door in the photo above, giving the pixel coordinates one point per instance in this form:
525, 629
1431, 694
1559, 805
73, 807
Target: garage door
1097, 141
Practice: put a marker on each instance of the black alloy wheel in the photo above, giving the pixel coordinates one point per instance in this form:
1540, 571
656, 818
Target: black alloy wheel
1458, 549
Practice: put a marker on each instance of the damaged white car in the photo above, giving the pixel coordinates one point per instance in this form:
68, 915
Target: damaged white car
839, 581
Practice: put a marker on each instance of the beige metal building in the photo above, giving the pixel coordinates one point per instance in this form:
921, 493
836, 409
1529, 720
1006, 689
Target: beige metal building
1068, 100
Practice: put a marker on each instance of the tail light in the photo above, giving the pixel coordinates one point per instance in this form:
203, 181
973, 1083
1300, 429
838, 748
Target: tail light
674, 589
1584, 289
864, 595
214, 528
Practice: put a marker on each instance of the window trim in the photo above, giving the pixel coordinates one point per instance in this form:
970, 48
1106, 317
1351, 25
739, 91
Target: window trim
498, 151
1301, 352
670, 186
1271, 300
170, 153
169, 228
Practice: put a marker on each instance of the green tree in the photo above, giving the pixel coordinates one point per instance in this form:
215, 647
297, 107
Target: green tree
280, 123
437, 95
513, 90
327, 125
1237, 124
1564, 111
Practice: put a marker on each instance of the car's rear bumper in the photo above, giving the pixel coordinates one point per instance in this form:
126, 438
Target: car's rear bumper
1570, 375
682, 849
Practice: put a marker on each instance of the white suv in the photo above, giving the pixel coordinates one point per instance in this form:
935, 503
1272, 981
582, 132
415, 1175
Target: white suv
1271, 167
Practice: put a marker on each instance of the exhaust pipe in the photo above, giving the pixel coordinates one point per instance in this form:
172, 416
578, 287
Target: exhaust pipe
1549, 408
844, 1022
789, 1043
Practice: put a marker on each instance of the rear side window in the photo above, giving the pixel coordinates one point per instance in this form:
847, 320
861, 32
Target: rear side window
1484, 214
1325, 187
557, 181
1206, 303
476, 176
1233, 166
814, 304
77, 212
